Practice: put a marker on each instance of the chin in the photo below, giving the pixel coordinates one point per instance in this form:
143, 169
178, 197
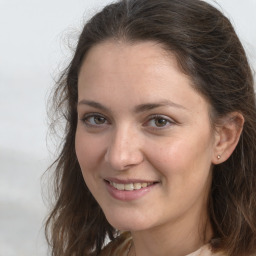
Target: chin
127, 223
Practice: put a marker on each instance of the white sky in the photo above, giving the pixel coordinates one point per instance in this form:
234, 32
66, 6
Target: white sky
33, 44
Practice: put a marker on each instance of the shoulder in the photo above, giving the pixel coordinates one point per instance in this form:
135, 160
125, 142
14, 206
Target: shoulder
119, 246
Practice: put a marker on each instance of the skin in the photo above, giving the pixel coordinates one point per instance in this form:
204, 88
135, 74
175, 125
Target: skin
116, 139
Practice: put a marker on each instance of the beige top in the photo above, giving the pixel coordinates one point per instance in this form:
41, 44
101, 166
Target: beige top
121, 245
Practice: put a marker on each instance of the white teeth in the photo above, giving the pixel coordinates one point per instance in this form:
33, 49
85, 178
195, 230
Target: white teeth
137, 185
144, 185
130, 186
119, 186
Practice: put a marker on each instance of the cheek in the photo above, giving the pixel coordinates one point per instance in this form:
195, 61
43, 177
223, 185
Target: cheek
182, 155
88, 155
183, 164
88, 150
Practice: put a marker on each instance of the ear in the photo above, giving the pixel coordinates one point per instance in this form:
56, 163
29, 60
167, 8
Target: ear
227, 135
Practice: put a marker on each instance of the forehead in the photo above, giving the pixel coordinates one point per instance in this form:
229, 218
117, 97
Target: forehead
141, 72
121, 53
130, 62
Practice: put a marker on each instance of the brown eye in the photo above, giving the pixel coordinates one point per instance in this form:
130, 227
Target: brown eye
94, 120
160, 122
99, 120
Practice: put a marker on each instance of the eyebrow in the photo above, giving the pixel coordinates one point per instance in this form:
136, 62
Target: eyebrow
149, 106
138, 109
93, 104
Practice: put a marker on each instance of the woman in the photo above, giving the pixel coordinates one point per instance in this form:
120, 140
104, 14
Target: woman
159, 153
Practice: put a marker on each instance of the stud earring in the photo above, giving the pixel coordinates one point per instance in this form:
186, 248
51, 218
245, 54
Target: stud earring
218, 156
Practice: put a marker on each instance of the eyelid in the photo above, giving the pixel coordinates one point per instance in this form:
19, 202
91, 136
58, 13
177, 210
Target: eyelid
86, 116
93, 114
159, 116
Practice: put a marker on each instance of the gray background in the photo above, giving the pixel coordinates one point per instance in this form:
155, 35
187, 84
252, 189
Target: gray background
34, 39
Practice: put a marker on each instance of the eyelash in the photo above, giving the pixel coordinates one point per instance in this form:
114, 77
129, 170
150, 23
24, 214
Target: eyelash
154, 118
159, 117
86, 121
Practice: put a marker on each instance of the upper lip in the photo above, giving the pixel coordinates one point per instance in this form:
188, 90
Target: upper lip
128, 181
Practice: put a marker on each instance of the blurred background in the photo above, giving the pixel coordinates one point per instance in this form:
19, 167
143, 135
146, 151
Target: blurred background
35, 41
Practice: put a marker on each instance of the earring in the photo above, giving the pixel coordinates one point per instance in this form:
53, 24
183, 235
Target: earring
219, 156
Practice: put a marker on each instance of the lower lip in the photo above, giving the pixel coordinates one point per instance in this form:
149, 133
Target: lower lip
125, 195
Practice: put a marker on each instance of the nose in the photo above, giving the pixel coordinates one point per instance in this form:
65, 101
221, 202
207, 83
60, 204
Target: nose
124, 149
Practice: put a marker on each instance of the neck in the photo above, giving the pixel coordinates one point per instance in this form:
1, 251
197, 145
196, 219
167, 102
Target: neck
179, 238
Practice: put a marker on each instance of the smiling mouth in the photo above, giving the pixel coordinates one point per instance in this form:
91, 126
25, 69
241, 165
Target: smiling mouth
130, 186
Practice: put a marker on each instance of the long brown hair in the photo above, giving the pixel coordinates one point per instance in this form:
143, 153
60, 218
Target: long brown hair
209, 51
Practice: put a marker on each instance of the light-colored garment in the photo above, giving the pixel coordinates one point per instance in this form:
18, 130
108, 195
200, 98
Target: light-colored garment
120, 247
205, 251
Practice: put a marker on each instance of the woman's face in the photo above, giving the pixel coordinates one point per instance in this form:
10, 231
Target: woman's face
144, 140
